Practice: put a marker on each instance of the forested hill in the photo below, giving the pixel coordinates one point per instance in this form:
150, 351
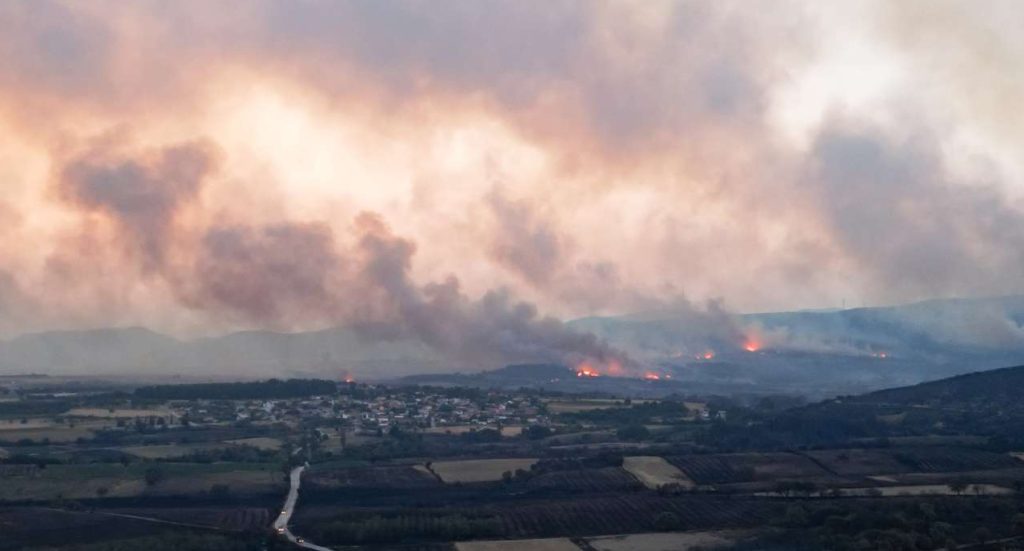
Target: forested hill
1001, 388
986, 406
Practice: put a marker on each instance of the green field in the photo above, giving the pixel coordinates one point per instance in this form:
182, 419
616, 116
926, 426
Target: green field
115, 480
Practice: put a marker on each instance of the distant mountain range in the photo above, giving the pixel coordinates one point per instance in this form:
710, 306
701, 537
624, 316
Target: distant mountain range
850, 350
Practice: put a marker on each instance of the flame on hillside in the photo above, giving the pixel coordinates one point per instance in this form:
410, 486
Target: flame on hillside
586, 370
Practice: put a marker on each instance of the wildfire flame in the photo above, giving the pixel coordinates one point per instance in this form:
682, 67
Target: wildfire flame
651, 376
881, 355
585, 370
709, 355
751, 346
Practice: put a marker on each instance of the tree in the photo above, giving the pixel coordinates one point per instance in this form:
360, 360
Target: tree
537, 432
1018, 524
958, 486
667, 521
633, 432
154, 476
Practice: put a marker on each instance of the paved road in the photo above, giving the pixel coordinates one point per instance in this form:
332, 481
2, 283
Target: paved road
281, 524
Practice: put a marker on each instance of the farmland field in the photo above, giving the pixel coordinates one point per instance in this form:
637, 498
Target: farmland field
654, 472
588, 480
859, 461
167, 450
940, 460
549, 544
576, 406
164, 451
926, 489
18, 424
463, 429
745, 467
373, 477
117, 413
658, 541
262, 443
478, 470
233, 518
632, 513
40, 527
115, 480
55, 433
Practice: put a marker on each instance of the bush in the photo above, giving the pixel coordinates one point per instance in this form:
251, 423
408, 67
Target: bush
633, 432
667, 521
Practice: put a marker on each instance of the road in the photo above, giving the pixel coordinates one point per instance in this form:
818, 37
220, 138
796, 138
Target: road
281, 524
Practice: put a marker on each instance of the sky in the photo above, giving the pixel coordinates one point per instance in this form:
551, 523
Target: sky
440, 169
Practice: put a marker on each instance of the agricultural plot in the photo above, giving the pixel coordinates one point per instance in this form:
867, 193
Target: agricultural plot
167, 451
943, 460
26, 527
245, 519
745, 467
262, 443
373, 477
57, 434
660, 541
927, 490
23, 424
608, 479
115, 480
599, 515
576, 406
478, 470
463, 429
117, 413
655, 472
859, 462
549, 544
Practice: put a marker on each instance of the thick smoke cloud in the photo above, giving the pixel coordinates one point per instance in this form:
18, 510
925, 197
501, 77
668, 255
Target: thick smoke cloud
896, 209
141, 195
644, 152
289, 273
270, 275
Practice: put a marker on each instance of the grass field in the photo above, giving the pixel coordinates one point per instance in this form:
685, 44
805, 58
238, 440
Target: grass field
262, 443
115, 480
117, 413
655, 472
17, 424
576, 406
858, 461
167, 450
547, 544
927, 490
478, 470
673, 541
463, 429
55, 433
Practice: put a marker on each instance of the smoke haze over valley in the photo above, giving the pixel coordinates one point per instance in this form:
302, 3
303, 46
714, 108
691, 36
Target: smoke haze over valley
393, 188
